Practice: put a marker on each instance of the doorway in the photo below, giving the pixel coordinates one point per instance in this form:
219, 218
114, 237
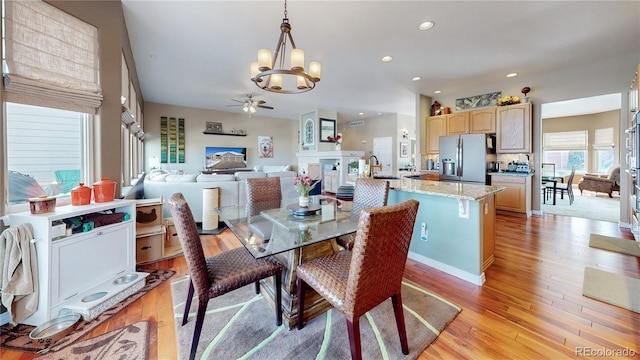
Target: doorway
585, 133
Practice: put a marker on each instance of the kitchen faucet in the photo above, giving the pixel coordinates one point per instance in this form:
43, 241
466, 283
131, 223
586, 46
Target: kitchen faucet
376, 166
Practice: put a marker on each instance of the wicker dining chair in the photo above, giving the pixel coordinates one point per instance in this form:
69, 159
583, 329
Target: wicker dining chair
263, 194
356, 281
218, 274
368, 193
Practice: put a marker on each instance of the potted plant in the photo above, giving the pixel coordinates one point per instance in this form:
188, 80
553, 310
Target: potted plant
353, 166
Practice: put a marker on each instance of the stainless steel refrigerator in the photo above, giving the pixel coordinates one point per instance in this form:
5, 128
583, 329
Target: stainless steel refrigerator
465, 158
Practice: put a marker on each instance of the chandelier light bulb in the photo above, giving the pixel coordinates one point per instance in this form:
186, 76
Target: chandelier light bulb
314, 70
297, 59
264, 59
276, 81
254, 69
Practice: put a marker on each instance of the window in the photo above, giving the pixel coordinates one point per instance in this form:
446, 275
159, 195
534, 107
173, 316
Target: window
603, 147
46, 153
566, 149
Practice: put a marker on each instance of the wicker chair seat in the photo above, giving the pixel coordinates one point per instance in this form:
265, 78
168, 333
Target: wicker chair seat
236, 268
329, 277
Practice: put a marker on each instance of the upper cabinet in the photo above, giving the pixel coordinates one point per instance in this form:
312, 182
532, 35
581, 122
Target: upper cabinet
458, 123
436, 127
513, 128
482, 121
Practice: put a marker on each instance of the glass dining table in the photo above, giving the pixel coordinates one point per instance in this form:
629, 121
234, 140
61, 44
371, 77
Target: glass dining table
292, 235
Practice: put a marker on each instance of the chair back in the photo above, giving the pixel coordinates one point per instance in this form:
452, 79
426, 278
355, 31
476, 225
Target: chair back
263, 194
548, 169
379, 255
570, 180
191, 245
369, 193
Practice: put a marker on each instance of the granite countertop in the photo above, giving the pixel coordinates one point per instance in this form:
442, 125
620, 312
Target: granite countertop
511, 173
454, 190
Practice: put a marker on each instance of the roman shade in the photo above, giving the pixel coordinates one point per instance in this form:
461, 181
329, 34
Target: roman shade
51, 58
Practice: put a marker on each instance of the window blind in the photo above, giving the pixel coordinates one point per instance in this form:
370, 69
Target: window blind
574, 140
603, 138
51, 58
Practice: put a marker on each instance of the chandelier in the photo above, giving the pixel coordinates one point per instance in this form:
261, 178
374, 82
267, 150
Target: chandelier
268, 72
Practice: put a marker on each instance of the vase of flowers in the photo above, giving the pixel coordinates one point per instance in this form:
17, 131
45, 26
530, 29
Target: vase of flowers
336, 140
304, 184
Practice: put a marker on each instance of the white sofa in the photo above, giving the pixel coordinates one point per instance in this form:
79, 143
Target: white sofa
232, 187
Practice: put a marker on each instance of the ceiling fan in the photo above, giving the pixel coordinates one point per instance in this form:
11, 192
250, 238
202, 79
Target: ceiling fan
250, 105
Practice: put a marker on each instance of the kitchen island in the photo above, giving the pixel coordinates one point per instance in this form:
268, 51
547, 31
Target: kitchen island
455, 225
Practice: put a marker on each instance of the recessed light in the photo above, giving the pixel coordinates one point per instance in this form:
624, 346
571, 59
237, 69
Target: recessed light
361, 113
426, 25
437, 92
512, 75
386, 58
416, 78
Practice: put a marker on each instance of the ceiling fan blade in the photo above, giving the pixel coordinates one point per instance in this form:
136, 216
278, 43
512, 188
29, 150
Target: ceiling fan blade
265, 107
235, 105
260, 102
242, 102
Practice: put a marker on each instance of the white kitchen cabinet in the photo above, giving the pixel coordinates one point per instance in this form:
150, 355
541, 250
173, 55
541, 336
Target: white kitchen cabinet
331, 181
76, 267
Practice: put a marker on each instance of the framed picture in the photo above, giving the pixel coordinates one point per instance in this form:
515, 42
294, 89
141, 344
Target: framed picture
327, 130
214, 126
265, 146
404, 149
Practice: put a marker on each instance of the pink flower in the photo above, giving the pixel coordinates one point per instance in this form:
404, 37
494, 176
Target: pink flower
304, 184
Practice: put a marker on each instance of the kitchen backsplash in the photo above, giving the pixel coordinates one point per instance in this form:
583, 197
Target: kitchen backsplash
505, 159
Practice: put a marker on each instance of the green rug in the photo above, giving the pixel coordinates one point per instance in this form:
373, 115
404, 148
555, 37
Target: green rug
623, 246
614, 289
240, 325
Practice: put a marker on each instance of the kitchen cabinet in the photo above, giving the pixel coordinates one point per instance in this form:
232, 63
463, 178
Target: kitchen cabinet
458, 123
482, 121
436, 127
331, 181
75, 265
488, 221
516, 197
513, 128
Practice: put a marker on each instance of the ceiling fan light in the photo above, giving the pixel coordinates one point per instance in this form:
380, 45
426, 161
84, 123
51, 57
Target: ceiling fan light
252, 109
297, 60
315, 70
264, 59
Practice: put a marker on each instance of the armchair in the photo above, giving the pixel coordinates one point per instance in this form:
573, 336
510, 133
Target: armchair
604, 183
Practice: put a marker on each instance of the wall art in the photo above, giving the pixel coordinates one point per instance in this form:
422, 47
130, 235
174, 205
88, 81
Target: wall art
265, 146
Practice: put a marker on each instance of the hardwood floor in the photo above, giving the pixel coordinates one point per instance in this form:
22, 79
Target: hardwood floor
531, 306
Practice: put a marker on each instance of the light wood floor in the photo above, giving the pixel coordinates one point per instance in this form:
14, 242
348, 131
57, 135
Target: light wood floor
530, 307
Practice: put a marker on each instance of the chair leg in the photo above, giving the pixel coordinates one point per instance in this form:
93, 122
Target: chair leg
299, 285
202, 308
396, 300
353, 328
187, 304
277, 282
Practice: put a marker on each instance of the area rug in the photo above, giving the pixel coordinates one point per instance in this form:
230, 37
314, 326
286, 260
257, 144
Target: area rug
17, 337
614, 289
623, 246
586, 206
240, 325
130, 343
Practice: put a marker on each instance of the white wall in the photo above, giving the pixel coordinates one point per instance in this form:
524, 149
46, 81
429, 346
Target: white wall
283, 131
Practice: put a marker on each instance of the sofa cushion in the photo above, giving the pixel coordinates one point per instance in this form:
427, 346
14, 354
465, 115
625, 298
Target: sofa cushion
242, 175
180, 178
157, 176
282, 174
275, 168
214, 177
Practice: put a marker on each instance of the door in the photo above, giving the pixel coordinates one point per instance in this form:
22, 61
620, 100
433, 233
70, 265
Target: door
474, 151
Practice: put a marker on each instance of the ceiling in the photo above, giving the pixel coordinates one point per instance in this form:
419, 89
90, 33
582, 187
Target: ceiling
197, 53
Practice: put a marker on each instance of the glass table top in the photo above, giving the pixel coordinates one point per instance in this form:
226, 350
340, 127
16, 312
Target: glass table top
277, 229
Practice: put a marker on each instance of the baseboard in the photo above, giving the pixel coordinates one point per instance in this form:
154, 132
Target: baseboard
460, 274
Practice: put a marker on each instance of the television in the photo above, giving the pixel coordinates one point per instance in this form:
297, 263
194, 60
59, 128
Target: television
221, 157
